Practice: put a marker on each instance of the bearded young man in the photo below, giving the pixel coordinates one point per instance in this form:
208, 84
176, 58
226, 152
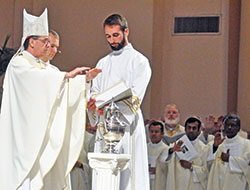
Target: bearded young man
126, 64
173, 130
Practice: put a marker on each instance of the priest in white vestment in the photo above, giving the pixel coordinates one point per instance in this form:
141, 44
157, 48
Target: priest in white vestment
42, 115
231, 165
187, 173
128, 65
155, 148
173, 129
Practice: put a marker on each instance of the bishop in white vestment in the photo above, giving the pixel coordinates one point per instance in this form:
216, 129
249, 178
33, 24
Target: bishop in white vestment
42, 116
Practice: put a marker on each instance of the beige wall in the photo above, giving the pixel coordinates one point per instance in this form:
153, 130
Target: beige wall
79, 23
194, 67
199, 73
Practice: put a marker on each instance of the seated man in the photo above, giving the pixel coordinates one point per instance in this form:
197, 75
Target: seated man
155, 148
230, 167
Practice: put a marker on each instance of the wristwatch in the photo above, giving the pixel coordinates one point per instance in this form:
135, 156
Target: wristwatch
191, 168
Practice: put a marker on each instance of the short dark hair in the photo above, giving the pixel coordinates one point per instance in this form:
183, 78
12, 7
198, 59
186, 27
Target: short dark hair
232, 116
27, 40
116, 19
54, 33
192, 120
155, 123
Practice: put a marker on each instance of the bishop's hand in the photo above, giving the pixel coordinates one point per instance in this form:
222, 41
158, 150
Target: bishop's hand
76, 71
90, 73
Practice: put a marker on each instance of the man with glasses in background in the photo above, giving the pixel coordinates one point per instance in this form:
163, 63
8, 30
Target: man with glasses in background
53, 49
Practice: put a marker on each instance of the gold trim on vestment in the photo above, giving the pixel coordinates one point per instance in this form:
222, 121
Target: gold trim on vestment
172, 133
133, 105
36, 63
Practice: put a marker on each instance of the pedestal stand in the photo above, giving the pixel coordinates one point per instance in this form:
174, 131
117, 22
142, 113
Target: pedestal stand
108, 168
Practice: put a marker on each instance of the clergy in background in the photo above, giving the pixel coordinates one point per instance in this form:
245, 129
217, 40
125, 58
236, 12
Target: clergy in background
187, 173
173, 129
42, 115
155, 148
231, 165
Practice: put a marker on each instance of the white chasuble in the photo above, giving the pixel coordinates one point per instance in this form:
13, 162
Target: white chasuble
233, 174
133, 68
42, 124
179, 178
154, 151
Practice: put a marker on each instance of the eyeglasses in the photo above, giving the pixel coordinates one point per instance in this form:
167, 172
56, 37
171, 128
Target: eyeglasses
45, 41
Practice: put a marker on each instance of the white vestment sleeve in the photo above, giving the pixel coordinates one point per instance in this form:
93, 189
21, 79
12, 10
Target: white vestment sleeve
165, 156
234, 167
195, 177
211, 155
141, 77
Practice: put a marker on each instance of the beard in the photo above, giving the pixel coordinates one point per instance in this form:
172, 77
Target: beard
172, 121
119, 46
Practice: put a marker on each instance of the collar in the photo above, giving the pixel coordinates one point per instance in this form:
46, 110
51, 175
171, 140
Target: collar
194, 141
33, 57
171, 128
227, 140
129, 46
172, 131
155, 144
